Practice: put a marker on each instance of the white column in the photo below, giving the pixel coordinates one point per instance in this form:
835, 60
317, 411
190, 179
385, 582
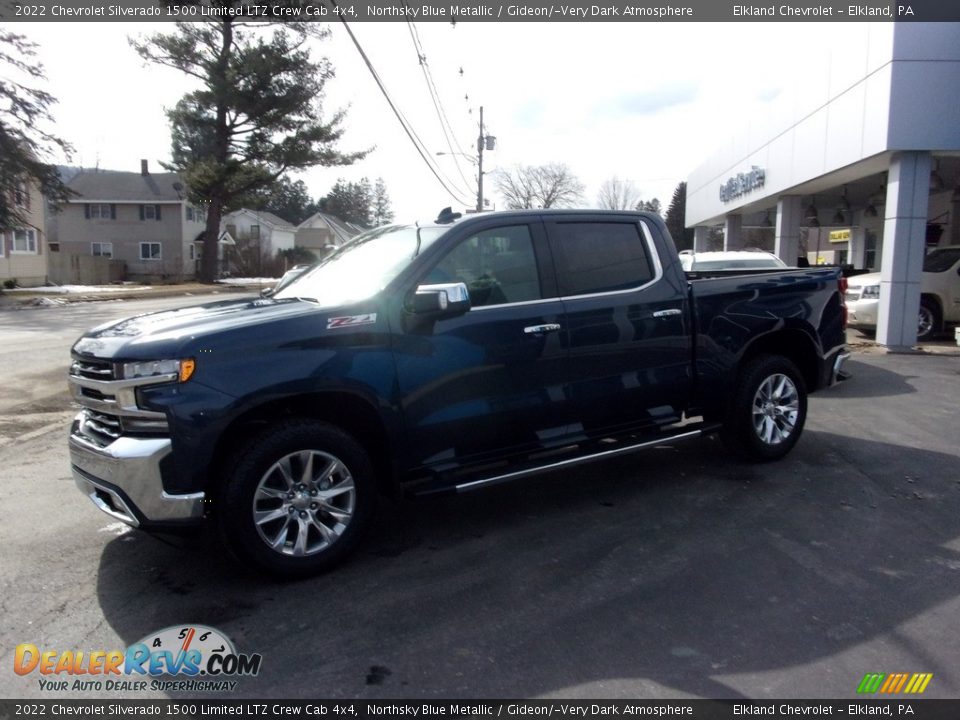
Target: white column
858, 247
733, 232
701, 234
786, 243
904, 237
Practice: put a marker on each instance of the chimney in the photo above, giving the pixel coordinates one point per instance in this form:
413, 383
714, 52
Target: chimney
143, 168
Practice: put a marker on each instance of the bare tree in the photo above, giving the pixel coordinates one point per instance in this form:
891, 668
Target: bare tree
541, 186
617, 194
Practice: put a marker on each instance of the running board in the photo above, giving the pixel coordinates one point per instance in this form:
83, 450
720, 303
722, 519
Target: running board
582, 459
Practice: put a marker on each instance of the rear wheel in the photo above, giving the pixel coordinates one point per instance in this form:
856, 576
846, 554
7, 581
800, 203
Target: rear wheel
928, 320
297, 499
768, 409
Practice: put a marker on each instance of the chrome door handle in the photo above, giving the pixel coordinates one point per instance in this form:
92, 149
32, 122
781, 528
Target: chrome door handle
540, 329
667, 313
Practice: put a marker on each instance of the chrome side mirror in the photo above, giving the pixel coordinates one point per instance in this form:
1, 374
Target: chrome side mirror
440, 300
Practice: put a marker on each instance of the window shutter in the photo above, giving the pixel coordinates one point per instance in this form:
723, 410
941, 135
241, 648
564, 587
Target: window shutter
158, 212
86, 210
141, 212
113, 212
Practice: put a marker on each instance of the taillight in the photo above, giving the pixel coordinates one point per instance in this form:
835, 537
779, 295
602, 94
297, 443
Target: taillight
842, 284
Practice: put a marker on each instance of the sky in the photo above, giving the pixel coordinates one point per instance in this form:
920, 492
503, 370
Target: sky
645, 102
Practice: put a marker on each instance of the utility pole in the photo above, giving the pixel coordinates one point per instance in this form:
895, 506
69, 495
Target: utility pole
480, 143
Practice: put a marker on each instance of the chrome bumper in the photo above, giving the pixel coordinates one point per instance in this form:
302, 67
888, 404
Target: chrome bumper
836, 373
123, 480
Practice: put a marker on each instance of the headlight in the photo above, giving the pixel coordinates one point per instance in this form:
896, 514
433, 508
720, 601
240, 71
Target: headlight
871, 292
183, 369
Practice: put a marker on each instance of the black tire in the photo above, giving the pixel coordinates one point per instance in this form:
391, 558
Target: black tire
767, 411
312, 486
929, 321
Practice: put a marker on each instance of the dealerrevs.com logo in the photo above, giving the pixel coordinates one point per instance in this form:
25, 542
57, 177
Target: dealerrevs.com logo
200, 658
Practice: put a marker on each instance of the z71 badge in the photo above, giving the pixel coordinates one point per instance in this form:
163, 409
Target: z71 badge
351, 320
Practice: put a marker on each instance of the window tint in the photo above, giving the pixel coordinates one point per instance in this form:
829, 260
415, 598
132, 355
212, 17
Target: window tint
594, 257
498, 266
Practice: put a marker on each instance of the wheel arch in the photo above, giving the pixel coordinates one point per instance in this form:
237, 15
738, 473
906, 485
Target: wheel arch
793, 344
347, 411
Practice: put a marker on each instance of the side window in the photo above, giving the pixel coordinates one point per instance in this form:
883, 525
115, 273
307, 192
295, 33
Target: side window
498, 266
596, 257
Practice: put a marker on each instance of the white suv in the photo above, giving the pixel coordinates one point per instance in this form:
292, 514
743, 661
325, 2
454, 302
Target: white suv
939, 294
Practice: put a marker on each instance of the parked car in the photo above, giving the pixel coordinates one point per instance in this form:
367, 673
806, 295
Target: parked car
287, 278
439, 357
729, 260
939, 294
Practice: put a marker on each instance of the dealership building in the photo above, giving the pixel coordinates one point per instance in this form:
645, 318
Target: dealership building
859, 165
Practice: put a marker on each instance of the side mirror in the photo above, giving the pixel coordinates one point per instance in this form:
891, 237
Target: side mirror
442, 300
267, 292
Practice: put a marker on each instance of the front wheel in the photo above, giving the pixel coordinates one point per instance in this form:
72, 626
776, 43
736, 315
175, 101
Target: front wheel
297, 499
767, 411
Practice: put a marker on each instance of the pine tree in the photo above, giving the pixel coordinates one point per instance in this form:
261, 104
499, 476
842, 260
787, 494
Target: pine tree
256, 115
381, 212
675, 218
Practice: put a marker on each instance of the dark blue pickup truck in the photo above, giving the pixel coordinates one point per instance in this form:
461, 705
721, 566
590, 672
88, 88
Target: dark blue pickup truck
434, 358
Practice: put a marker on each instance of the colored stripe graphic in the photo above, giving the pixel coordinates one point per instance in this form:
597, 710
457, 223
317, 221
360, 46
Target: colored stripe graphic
909, 683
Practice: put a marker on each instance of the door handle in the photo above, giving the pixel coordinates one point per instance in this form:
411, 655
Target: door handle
541, 329
667, 313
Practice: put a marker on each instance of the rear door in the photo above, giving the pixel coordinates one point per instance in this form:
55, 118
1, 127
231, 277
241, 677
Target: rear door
626, 319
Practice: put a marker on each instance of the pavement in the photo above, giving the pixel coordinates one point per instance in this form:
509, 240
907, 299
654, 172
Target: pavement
679, 572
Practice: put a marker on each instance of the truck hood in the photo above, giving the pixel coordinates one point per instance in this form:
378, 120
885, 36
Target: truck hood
159, 334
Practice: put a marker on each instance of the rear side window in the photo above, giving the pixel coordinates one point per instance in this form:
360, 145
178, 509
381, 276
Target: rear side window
596, 257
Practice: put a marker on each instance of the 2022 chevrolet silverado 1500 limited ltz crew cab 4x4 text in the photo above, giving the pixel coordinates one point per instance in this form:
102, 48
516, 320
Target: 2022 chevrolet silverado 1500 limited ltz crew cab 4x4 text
439, 357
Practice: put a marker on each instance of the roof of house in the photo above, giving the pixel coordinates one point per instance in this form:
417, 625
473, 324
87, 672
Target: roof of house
263, 217
118, 186
342, 230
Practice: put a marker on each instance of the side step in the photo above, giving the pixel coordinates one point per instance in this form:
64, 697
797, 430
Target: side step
704, 429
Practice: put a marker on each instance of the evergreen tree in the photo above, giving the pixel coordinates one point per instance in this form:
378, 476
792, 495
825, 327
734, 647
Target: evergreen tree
24, 141
653, 206
290, 200
381, 213
350, 201
255, 116
675, 219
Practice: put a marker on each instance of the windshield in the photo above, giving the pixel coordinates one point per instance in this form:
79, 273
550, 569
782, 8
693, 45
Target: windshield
363, 266
941, 260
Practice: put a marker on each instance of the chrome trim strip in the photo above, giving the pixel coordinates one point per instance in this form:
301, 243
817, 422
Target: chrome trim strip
109, 387
657, 275
540, 329
579, 460
667, 313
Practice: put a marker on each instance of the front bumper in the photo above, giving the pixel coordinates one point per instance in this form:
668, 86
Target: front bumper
123, 479
862, 313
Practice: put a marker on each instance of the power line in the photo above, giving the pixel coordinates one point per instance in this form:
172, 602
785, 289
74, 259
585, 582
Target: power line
435, 96
417, 143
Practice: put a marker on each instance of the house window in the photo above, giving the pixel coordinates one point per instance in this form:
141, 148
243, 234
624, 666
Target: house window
254, 232
200, 215
102, 249
21, 196
100, 211
25, 241
150, 251
189, 213
149, 212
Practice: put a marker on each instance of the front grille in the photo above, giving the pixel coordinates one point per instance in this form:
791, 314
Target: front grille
93, 369
102, 428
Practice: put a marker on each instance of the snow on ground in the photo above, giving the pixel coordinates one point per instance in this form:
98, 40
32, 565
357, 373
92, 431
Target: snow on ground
76, 289
249, 281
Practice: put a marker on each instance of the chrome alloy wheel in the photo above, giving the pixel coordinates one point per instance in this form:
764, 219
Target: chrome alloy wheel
776, 407
304, 503
925, 322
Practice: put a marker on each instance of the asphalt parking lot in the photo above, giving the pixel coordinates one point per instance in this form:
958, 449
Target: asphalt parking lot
677, 572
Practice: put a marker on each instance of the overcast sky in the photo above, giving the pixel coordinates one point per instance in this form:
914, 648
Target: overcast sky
646, 102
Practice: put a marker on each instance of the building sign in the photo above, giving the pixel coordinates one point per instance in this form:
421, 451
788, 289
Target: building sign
839, 236
742, 183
